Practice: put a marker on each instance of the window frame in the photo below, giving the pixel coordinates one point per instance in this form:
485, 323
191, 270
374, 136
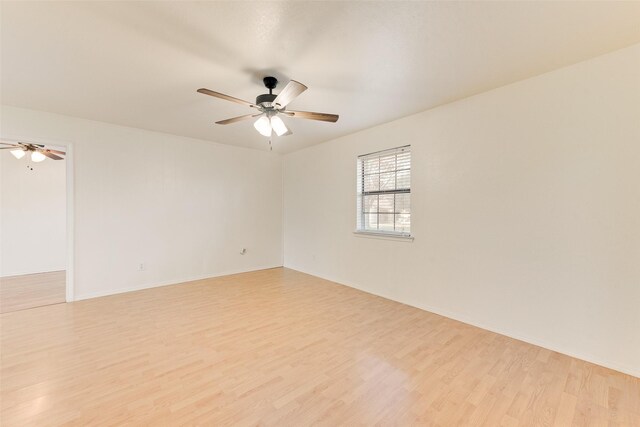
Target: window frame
361, 194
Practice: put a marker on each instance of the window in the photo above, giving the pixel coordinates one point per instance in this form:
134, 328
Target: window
384, 192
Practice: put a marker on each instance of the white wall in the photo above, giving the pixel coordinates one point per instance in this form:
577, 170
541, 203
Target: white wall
183, 207
32, 215
526, 211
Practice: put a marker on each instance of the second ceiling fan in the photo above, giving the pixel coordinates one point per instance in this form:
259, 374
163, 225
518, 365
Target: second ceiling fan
271, 106
38, 151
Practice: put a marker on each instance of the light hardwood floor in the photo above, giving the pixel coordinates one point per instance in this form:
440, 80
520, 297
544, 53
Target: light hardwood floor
31, 290
278, 347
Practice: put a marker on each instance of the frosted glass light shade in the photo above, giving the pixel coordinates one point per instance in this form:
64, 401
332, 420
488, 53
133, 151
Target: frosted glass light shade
18, 154
263, 125
278, 126
37, 156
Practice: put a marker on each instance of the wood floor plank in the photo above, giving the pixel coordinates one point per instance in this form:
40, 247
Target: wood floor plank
278, 347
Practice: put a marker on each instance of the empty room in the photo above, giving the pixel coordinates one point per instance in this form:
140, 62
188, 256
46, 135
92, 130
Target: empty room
295, 213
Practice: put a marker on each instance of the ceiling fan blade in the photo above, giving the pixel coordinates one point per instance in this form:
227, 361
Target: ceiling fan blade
10, 148
289, 93
237, 119
223, 96
323, 117
62, 153
13, 145
50, 155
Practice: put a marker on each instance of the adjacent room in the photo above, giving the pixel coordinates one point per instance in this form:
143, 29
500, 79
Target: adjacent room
33, 220
293, 213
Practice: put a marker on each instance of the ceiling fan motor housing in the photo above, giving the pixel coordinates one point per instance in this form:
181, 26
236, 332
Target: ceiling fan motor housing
266, 98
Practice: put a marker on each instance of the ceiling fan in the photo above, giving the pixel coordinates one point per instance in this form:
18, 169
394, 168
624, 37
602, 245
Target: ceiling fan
38, 151
271, 106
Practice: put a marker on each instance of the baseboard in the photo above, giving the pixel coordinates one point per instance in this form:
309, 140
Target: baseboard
629, 370
116, 291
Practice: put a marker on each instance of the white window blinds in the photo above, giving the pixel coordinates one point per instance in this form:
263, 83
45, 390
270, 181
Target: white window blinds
384, 192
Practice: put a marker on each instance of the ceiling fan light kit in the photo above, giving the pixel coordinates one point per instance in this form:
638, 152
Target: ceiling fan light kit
18, 154
278, 126
270, 106
37, 156
263, 126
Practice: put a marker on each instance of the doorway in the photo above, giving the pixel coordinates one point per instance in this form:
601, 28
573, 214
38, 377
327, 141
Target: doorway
33, 224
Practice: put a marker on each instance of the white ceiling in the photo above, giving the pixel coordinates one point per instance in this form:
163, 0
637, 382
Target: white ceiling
139, 63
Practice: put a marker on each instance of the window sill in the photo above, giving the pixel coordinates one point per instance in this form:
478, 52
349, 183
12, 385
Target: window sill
383, 236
